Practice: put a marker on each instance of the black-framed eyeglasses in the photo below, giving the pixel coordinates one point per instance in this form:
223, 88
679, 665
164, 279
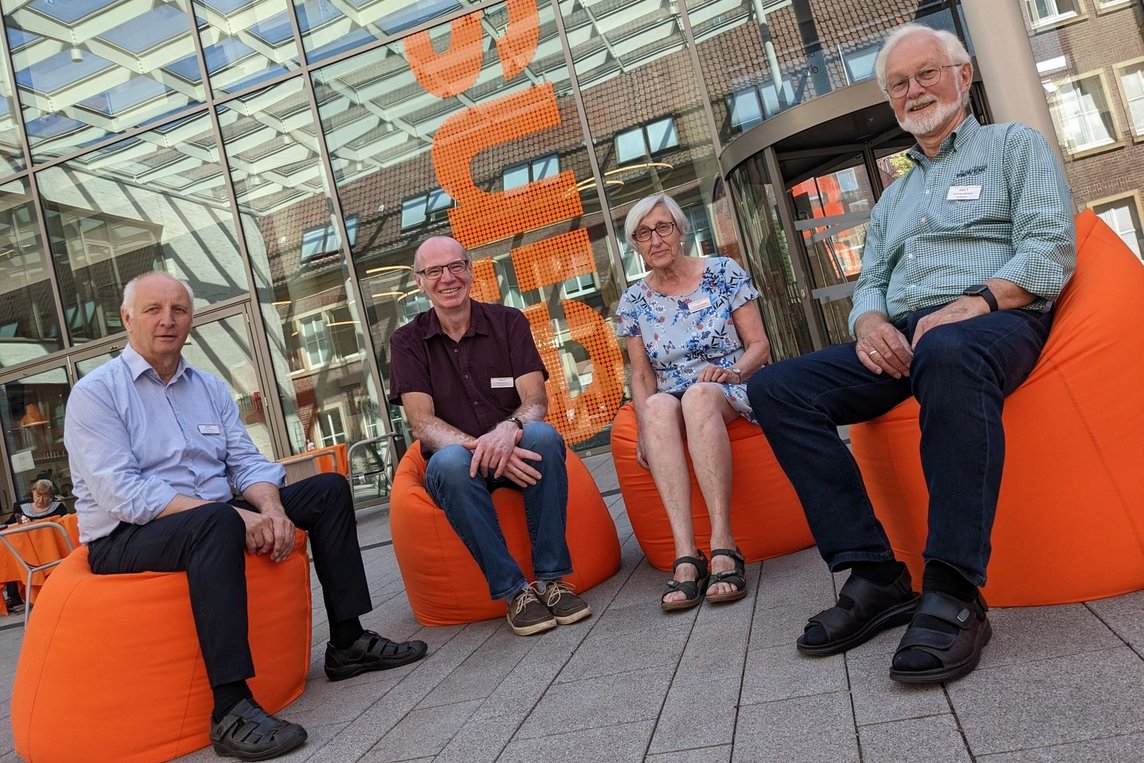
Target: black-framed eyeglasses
926, 77
433, 272
664, 230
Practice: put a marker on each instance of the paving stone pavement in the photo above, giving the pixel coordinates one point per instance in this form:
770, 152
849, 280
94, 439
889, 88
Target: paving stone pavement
710, 685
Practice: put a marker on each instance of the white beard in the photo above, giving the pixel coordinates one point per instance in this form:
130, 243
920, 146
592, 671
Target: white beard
924, 124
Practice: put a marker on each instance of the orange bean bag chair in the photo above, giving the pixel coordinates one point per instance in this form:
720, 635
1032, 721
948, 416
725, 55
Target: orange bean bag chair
1070, 518
766, 515
110, 669
442, 580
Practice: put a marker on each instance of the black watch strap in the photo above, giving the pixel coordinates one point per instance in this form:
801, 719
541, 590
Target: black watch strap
516, 420
983, 291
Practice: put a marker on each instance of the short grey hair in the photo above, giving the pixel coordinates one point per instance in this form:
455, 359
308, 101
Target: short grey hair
954, 49
43, 486
129, 289
644, 207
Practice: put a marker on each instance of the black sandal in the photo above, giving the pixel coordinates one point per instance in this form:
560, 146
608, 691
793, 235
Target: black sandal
736, 577
873, 608
957, 652
692, 589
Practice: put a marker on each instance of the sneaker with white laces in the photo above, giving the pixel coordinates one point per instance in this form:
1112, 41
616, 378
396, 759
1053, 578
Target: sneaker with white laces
564, 605
527, 615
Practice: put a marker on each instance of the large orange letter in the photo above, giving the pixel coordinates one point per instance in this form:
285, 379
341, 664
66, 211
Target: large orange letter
518, 45
480, 216
454, 71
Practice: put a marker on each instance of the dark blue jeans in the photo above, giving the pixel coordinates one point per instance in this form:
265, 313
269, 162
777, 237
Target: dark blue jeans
468, 504
960, 374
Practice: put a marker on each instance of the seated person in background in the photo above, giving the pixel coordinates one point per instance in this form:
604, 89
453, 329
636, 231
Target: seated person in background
155, 446
964, 257
472, 384
42, 505
694, 336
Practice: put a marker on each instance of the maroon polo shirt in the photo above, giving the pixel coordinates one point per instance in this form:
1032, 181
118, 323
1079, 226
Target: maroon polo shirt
473, 381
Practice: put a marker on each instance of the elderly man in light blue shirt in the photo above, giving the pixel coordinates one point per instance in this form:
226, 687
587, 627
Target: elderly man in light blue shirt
964, 257
157, 453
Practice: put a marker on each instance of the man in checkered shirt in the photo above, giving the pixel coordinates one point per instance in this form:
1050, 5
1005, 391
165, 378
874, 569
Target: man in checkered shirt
964, 257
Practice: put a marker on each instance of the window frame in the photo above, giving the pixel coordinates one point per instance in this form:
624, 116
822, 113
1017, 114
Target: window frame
1039, 24
432, 210
1135, 64
645, 136
1137, 201
1117, 131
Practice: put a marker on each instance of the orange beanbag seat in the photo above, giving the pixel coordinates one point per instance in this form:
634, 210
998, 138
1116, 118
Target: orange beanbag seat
442, 580
766, 515
110, 669
1070, 518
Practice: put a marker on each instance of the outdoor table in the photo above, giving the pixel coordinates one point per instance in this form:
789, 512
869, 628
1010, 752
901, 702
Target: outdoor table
37, 548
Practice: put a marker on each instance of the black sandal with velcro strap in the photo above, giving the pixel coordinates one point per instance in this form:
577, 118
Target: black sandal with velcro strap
736, 578
957, 652
691, 589
875, 608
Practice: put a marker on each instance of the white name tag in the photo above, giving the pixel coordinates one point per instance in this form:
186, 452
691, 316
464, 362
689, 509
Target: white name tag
959, 192
501, 382
699, 304
209, 429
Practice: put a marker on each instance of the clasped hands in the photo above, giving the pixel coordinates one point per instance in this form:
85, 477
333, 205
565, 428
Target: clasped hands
882, 348
497, 451
269, 532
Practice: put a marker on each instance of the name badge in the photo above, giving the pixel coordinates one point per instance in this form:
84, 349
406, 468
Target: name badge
209, 429
960, 192
699, 304
501, 382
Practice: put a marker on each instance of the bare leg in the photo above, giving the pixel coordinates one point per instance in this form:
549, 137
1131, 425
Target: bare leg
661, 432
706, 413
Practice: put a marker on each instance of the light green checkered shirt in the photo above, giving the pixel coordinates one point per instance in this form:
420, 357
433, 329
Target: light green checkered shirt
923, 247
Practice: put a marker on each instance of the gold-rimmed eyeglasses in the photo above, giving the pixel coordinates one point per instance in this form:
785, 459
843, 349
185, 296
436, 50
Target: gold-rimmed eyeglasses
926, 77
664, 230
433, 272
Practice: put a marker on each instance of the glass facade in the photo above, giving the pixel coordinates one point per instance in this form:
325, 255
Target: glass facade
287, 157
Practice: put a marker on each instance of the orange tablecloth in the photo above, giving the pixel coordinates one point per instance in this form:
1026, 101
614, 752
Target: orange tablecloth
39, 547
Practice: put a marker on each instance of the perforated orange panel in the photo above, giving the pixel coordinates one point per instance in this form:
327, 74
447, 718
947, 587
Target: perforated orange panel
454, 71
485, 287
553, 260
518, 44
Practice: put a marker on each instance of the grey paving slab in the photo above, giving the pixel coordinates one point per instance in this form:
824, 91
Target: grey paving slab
1125, 616
780, 672
934, 739
1055, 701
615, 744
1116, 749
597, 702
698, 712
604, 654
720, 754
798, 580
818, 729
1026, 634
480, 741
479, 675
422, 733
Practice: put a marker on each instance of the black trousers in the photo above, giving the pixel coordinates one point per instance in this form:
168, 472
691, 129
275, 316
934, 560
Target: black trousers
209, 544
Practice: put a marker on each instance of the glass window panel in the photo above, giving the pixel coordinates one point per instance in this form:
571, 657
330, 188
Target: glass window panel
28, 324
1081, 112
380, 125
153, 202
329, 27
245, 43
661, 135
746, 111
88, 70
630, 145
32, 415
312, 325
11, 155
1133, 83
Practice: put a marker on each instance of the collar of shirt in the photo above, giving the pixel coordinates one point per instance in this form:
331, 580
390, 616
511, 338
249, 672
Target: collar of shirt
478, 323
139, 366
962, 133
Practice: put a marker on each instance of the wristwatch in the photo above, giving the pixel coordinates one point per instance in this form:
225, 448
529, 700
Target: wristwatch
983, 291
738, 372
516, 420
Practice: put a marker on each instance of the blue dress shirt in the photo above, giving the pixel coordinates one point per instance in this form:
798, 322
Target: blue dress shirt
134, 442
993, 203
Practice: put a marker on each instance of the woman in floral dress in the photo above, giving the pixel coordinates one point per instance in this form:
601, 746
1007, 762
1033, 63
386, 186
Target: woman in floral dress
694, 336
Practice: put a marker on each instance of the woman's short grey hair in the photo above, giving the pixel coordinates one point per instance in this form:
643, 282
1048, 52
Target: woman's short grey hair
954, 49
644, 207
44, 486
129, 289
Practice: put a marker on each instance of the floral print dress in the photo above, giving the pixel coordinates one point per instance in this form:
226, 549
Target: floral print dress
685, 334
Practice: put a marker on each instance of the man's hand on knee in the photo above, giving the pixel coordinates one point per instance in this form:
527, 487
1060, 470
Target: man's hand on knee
959, 310
494, 449
519, 470
270, 532
881, 347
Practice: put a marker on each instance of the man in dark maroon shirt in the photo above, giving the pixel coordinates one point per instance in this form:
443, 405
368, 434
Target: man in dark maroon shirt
472, 384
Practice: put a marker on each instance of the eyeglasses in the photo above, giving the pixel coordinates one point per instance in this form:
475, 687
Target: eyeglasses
664, 230
925, 78
433, 272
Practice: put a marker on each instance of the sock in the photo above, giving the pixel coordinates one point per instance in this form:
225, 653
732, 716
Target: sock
878, 573
344, 634
227, 696
940, 578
